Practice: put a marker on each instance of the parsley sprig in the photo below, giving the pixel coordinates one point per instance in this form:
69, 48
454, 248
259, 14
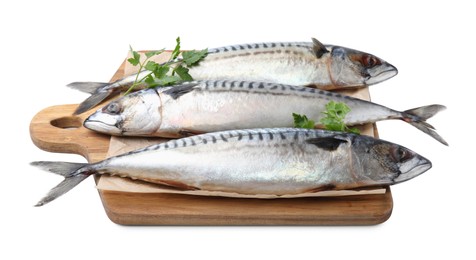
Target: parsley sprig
301, 121
171, 72
333, 119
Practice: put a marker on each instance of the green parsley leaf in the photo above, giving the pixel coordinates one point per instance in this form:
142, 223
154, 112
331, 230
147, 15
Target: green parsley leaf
149, 80
132, 61
341, 109
301, 121
167, 80
135, 60
176, 51
182, 72
150, 54
159, 74
353, 130
333, 126
334, 117
151, 65
161, 71
192, 57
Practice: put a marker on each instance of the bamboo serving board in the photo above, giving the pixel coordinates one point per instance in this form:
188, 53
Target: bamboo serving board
54, 129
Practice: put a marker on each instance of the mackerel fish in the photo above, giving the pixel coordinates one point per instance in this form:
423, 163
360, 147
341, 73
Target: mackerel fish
209, 106
281, 161
296, 63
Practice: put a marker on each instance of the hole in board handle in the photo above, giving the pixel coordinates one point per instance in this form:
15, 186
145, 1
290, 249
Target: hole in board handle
67, 122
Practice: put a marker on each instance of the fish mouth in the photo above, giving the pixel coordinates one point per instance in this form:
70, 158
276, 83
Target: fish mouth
103, 124
411, 173
388, 72
102, 127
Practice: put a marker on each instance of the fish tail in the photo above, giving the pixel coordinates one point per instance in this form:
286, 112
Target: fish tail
417, 117
96, 89
88, 87
73, 174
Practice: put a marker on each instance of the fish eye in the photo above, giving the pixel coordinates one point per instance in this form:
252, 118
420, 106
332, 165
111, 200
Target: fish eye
400, 155
369, 61
113, 108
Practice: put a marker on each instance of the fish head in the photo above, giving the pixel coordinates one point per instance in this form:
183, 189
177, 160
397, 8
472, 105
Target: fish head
350, 67
137, 113
388, 163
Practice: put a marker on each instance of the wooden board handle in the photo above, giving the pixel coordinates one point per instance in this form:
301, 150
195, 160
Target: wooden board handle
56, 129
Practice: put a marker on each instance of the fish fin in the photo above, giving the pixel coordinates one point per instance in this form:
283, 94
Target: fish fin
175, 184
322, 188
425, 112
74, 173
180, 90
431, 132
327, 143
91, 102
318, 48
66, 185
187, 133
64, 169
417, 116
93, 88
88, 87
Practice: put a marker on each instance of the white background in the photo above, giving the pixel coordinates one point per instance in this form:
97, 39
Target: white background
46, 44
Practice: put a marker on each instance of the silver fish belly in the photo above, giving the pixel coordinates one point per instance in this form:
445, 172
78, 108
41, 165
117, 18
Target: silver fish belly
224, 105
208, 106
261, 161
295, 63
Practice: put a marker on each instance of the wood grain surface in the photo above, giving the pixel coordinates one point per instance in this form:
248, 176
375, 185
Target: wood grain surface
54, 129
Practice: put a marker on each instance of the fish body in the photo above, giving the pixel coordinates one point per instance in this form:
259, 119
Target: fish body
295, 63
282, 161
209, 106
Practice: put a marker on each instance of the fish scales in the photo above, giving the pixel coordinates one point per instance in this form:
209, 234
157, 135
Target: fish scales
278, 161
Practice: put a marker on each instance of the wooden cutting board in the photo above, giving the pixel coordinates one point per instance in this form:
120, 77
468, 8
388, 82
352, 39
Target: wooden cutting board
54, 129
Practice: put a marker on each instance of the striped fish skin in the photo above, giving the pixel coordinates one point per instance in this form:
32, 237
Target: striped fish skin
260, 161
208, 106
295, 63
